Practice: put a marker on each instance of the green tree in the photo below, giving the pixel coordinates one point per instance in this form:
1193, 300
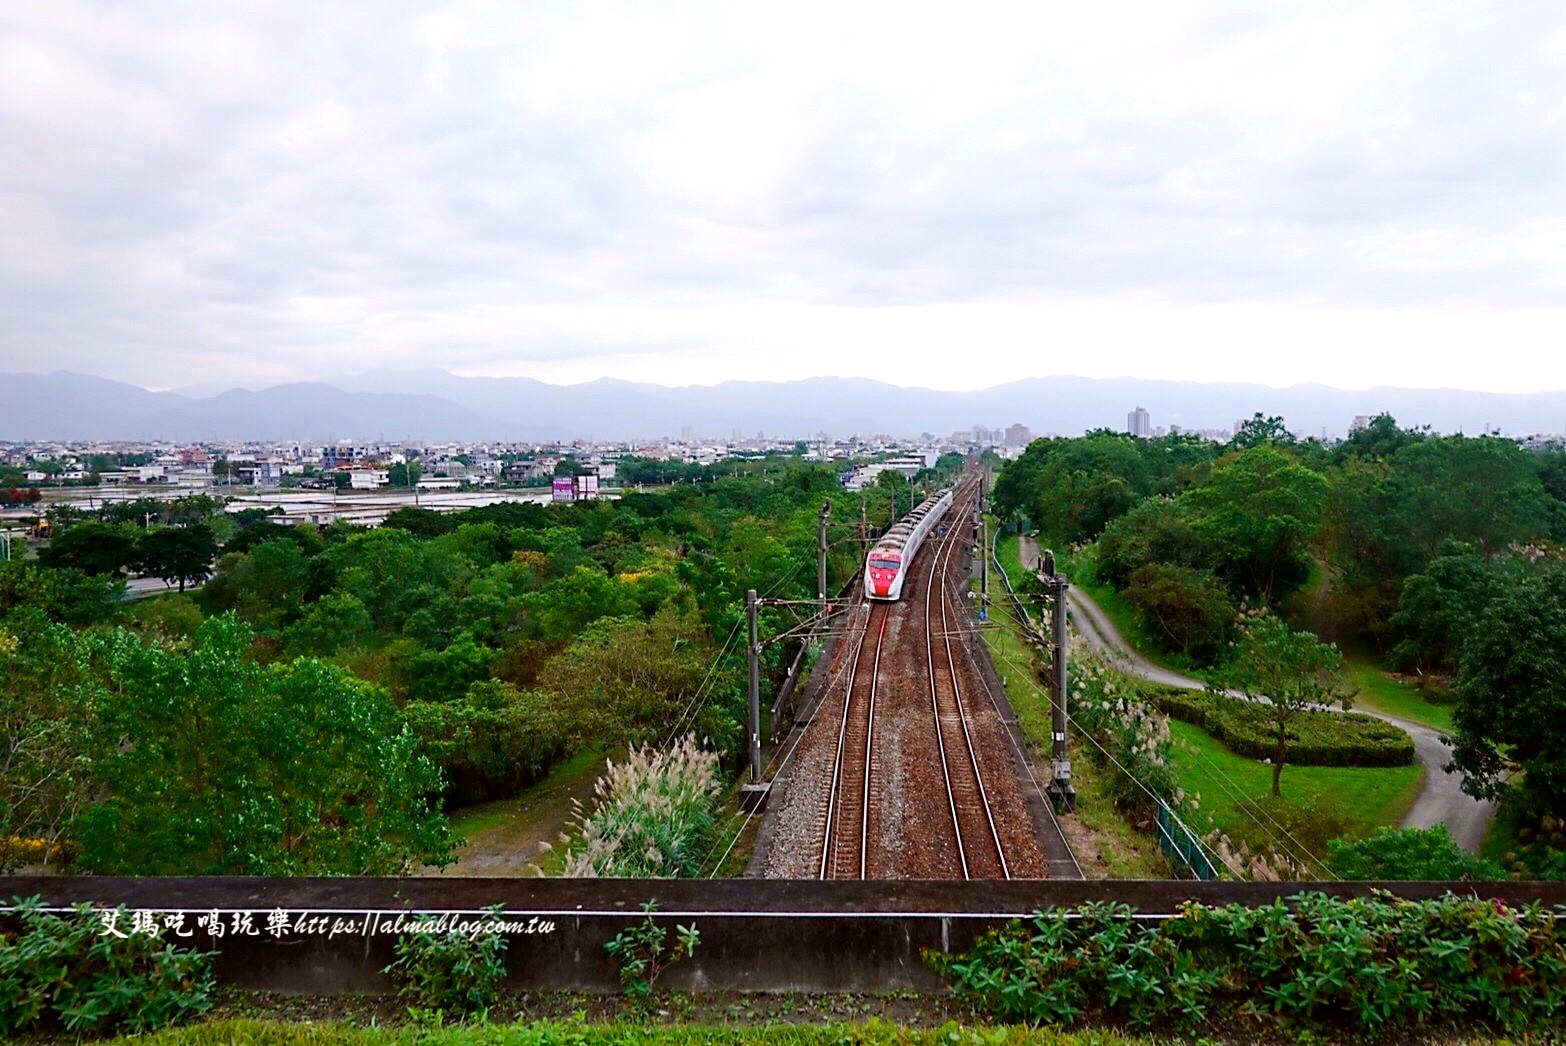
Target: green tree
563, 608
334, 622
211, 764
1378, 440
1260, 430
634, 679
62, 594
494, 740
445, 675
1511, 708
1073, 488
1485, 491
177, 554
403, 475
92, 548
1158, 531
1259, 511
1285, 671
45, 771
272, 581
1438, 608
1188, 609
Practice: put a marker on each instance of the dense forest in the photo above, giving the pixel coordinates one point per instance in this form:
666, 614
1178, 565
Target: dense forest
1436, 556
328, 694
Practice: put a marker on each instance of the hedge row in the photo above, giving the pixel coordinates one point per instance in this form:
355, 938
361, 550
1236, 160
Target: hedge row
1315, 738
1365, 964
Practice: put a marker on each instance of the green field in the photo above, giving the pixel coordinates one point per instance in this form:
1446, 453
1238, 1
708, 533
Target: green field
1318, 802
1379, 692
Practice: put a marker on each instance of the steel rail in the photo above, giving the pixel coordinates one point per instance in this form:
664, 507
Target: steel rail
939, 570
832, 837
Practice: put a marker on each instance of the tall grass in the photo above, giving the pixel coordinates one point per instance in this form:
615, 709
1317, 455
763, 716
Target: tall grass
654, 818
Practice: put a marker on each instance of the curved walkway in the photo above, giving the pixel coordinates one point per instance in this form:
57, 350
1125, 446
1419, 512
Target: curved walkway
1441, 798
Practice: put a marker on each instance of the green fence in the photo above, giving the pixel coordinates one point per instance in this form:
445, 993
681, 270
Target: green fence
1181, 845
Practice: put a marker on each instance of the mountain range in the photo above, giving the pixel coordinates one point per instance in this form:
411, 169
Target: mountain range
436, 405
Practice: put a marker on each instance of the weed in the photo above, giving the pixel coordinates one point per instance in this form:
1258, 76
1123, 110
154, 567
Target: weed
644, 953
455, 974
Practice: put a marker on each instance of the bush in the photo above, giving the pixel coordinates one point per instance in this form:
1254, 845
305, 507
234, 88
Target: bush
1408, 853
1315, 738
450, 973
493, 742
1365, 964
69, 974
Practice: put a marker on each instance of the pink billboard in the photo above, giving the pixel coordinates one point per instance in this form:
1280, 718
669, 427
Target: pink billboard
562, 489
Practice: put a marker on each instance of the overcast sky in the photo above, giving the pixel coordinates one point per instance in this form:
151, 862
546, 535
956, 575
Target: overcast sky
951, 195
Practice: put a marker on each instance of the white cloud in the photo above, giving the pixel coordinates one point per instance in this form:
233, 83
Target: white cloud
1350, 193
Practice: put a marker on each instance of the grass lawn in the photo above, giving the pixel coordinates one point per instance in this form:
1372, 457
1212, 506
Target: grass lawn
1318, 802
1379, 692
1108, 844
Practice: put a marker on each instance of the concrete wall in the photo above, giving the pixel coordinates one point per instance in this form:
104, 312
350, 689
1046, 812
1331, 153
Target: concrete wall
756, 935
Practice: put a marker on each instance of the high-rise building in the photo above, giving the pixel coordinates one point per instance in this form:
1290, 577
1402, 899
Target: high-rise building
1139, 423
1018, 435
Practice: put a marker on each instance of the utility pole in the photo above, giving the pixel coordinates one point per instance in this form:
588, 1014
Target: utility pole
1061, 794
984, 569
984, 550
821, 555
864, 532
753, 794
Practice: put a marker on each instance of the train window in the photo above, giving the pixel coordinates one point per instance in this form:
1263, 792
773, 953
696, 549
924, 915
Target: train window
884, 564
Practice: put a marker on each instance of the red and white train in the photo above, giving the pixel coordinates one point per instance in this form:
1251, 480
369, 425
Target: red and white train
891, 560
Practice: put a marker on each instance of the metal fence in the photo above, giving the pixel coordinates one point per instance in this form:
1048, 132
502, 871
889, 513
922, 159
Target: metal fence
1181, 845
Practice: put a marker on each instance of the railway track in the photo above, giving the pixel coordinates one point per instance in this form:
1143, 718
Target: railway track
978, 846
844, 854
903, 744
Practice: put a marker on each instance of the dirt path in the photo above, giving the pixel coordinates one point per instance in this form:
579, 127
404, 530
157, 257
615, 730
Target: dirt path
1441, 797
511, 841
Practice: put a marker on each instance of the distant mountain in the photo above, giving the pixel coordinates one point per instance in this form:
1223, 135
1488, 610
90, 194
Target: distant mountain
319, 412
433, 404
63, 406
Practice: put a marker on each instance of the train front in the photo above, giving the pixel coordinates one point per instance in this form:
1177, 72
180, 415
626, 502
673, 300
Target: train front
884, 574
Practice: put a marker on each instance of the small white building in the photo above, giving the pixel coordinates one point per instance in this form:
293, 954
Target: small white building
367, 479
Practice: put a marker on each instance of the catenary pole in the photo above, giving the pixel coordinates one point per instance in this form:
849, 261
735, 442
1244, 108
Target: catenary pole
753, 663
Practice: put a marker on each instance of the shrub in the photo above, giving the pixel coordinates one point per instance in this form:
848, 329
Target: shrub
1365, 964
1315, 738
1408, 853
493, 742
450, 973
68, 973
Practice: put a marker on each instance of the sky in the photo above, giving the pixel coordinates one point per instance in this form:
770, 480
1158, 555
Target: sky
953, 196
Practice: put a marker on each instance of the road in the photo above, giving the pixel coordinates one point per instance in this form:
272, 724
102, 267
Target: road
1441, 797
142, 587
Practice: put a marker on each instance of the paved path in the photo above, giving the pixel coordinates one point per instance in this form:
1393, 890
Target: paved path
1441, 797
